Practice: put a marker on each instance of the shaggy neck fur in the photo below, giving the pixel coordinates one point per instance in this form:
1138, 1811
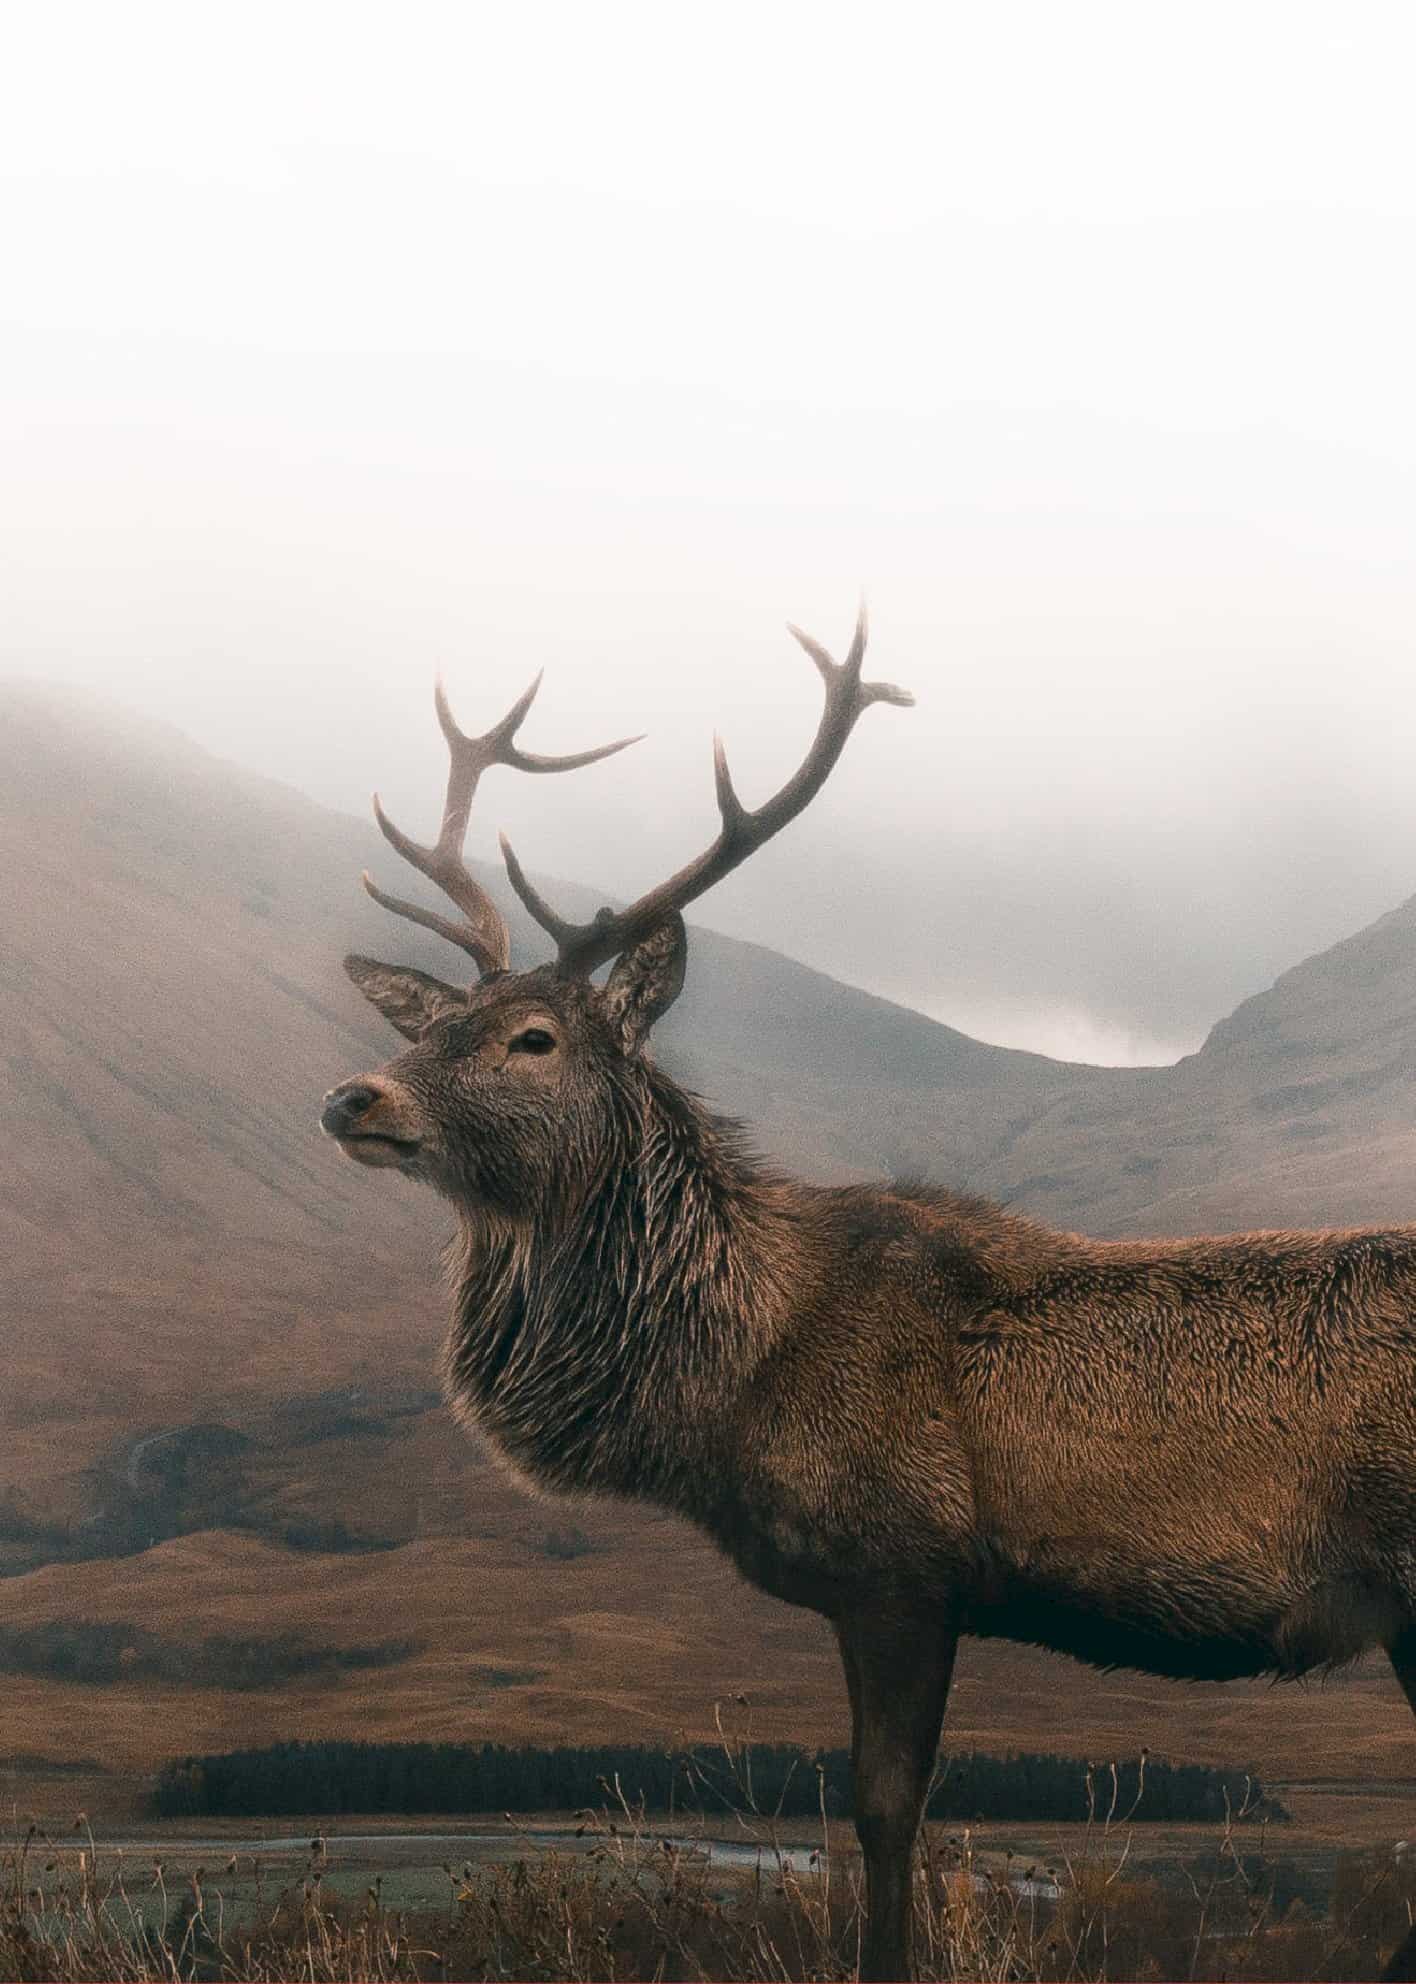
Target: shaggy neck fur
600, 1345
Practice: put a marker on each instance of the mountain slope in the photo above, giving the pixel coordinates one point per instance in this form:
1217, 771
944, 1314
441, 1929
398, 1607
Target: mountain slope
1299, 1110
218, 1410
173, 1005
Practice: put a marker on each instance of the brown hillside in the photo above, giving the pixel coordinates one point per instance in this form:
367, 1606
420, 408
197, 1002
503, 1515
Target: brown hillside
1300, 1110
220, 1339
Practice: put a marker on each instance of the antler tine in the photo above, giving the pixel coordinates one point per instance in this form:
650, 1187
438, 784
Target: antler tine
498, 745
848, 671
555, 926
466, 939
484, 935
584, 946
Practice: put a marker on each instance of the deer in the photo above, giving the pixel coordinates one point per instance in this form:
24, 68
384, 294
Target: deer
912, 1411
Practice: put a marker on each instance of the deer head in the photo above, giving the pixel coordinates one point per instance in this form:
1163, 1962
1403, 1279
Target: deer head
516, 1087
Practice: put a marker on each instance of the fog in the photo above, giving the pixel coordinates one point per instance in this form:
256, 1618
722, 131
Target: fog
341, 345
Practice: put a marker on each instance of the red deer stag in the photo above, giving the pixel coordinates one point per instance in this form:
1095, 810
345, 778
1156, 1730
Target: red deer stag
904, 1408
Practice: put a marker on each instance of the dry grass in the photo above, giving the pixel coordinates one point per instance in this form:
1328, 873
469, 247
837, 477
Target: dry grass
630, 1904
67, 1911
634, 1907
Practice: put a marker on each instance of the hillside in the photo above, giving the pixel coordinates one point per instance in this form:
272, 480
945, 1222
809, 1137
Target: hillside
173, 1007
219, 1410
1299, 1110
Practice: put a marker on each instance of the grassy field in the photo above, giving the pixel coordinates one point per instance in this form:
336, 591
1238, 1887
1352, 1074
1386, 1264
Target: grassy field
520, 1648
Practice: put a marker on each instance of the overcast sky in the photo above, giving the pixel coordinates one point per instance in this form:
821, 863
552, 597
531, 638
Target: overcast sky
339, 344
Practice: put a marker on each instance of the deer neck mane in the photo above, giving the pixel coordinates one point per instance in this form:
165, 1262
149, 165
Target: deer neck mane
600, 1345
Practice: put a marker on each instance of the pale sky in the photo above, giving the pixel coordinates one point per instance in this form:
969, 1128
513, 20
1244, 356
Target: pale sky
339, 344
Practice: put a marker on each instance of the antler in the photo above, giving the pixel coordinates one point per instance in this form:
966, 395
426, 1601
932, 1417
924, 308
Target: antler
584, 946
484, 935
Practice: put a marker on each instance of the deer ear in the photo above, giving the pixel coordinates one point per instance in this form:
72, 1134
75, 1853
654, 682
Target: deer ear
645, 982
410, 999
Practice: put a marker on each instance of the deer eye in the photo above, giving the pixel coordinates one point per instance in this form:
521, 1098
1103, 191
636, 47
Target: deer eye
535, 1040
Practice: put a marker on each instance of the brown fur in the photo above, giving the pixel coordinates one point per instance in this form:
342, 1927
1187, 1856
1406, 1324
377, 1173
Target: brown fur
906, 1409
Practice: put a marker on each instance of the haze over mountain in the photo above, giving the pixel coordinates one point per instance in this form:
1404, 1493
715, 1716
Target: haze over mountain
485, 351
219, 1405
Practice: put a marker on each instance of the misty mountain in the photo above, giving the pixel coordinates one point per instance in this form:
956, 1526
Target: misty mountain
1299, 1110
221, 1337
173, 1005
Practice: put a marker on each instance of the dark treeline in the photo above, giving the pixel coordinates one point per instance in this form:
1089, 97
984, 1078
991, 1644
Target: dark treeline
289, 1778
98, 1652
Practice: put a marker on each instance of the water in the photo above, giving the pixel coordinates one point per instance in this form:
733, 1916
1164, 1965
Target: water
454, 1846
427, 1851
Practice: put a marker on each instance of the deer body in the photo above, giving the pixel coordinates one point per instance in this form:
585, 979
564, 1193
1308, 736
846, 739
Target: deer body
908, 1410
1168, 1455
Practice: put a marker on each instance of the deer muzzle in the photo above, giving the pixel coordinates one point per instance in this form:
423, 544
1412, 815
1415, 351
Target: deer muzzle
370, 1123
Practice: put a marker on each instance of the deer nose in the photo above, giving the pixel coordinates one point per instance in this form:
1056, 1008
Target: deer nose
343, 1107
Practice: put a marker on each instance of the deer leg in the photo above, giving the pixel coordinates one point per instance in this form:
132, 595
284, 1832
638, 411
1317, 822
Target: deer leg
897, 1672
1402, 1653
